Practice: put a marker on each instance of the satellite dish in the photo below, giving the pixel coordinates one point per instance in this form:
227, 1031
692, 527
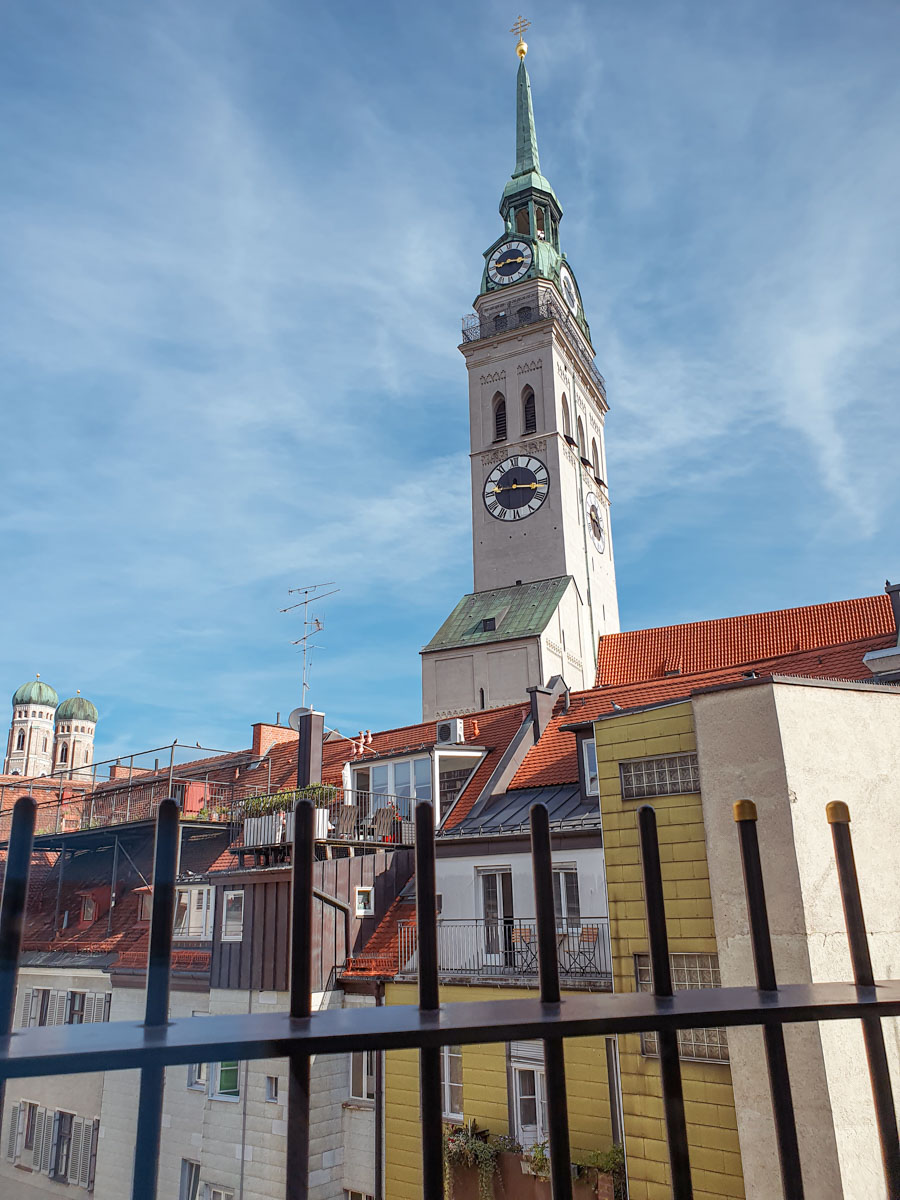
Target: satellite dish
294, 718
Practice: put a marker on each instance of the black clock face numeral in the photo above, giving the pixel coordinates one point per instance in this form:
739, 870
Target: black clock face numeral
509, 262
516, 488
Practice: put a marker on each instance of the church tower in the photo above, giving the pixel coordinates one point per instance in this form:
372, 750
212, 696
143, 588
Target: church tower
29, 748
544, 586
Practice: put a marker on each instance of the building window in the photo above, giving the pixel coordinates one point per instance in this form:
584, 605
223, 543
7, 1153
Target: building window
566, 904
595, 457
198, 1076
529, 1092
20, 740
88, 908
488, 624
524, 315
145, 908
522, 222
451, 1083
408, 778
365, 901
44, 747
539, 222
75, 1014
233, 915
30, 1121
217, 1193
567, 424
193, 912
582, 450
226, 1085
61, 1158
190, 1180
64, 753
529, 411
500, 417
670, 776
271, 1089
688, 971
362, 1075
348, 1195
589, 762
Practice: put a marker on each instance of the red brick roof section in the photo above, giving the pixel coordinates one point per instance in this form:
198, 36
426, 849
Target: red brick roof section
381, 956
710, 645
553, 760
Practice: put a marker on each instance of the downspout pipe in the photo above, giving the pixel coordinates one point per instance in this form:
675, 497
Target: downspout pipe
379, 1105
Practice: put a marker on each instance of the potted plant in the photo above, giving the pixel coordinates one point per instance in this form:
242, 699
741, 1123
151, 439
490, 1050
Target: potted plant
603, 1172
470, 1162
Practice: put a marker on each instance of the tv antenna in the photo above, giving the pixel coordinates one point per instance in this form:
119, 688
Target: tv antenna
312, 625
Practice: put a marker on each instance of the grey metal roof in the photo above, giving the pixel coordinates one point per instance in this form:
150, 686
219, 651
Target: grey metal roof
523, 610
509, 813
66, 958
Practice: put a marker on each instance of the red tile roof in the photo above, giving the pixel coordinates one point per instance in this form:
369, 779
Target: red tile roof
709, 645
553, 760
381, 956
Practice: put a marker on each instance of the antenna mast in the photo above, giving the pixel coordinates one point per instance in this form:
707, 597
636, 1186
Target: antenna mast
311, 625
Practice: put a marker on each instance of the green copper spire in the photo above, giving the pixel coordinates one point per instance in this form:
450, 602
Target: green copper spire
526, 138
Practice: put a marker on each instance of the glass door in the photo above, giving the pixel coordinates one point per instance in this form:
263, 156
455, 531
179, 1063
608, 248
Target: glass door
497, 913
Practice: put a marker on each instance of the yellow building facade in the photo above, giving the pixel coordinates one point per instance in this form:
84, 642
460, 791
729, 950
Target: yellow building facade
485, 1091
639, 740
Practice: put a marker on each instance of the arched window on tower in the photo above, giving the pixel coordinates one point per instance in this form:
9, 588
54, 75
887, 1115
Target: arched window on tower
20, 740
539, 223
499, 418
581, 446
567, 424
64, 753
522, 225
529, 411
87, 754
595, 457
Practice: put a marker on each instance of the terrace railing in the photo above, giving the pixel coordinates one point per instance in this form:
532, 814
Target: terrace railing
507, 950
340, 816
297, 1034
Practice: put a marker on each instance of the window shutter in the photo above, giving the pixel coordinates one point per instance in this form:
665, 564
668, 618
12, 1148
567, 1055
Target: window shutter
12, 1137
75, 1148
89, 1007
40, 1120
62, 1007
529, 1052
25, 1007
107, 1005
48, 1147
89, 1153
67, 1008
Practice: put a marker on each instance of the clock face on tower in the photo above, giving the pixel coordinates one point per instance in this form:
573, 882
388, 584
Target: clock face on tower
516, 488
509, 262
593, 515
567, 283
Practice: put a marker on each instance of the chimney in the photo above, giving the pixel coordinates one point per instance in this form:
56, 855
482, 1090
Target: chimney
885, 664
542, 701
310, 736
893, 592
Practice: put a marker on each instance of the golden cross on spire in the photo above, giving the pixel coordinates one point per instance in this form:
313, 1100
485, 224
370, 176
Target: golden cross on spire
519, 30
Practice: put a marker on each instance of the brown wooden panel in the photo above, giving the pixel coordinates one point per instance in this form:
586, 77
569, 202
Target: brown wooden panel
268, 936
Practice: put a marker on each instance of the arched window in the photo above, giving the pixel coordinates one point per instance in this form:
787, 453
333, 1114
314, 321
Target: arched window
567, 424
20, 740
64, 753
595, 457
500, 322
87, 754
529, 411
539, 223
499, 418
44, 748
523, 314
522, 225
581, 446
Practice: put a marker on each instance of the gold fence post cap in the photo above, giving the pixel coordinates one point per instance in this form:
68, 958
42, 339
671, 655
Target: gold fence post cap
838, 813
744, 810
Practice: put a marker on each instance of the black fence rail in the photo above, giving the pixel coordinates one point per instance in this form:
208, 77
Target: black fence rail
160, 1042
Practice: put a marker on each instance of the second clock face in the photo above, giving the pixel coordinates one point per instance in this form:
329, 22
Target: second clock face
593, 515
516, 487
567, 283
509, 262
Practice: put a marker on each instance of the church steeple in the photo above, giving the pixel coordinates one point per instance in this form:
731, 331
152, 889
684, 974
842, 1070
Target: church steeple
526, 139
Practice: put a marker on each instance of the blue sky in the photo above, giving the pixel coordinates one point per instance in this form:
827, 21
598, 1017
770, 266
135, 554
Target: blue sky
238, 238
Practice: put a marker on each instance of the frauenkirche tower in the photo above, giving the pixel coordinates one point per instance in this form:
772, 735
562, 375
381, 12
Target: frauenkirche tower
545, 587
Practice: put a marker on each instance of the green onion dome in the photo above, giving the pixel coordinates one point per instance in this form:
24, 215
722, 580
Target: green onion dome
36, 692
76, 708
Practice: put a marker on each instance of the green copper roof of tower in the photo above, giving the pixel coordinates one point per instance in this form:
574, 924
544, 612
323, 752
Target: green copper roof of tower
77, 708
527, 172
35, 691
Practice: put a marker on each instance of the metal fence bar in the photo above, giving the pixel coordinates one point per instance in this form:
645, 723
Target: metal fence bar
548, 967
297, 1164
12, 909
669, 1066
885, 1113
764, 962
156, 1009
429, 1005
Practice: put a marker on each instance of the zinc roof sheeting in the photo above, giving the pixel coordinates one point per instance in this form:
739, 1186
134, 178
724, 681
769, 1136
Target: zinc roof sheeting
523, 610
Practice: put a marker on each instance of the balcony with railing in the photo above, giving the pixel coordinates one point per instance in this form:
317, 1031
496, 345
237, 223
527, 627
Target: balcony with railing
507, 950
341, 817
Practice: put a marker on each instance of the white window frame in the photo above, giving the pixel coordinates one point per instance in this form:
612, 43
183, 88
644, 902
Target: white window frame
589, 765
271, 1089
198, 1077
366, 1061
447, 1085
528, 1058
351, 1195
214, 1192
391, 765
364, 901
189, 1188
561, 897
215, 1085
199, 900
232, 936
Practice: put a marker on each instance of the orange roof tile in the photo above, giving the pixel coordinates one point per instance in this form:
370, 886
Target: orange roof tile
381, 955
553, 760
709, 645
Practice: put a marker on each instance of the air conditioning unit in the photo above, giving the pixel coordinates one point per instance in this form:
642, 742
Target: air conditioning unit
449, 733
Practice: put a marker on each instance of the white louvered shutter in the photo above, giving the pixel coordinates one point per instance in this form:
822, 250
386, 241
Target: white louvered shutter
48, 1148
88, 1153
89, 1007
107, 1005
527, 1052
62, 1005
25, 1007
75, 1150
51, 1006
40, 1120
12, 1136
